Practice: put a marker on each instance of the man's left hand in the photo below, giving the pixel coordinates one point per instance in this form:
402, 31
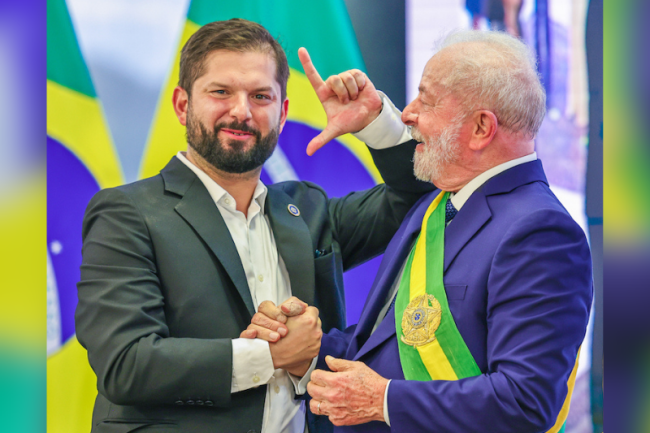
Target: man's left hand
351, 394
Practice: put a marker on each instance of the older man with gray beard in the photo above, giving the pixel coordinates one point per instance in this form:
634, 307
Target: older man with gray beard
475, 320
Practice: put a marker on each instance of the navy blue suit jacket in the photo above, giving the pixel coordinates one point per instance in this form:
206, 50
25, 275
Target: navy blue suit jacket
517, 274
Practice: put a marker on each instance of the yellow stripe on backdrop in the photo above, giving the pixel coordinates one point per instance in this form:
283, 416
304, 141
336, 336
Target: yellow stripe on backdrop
71, 390
22, 306
77, 121
167, 135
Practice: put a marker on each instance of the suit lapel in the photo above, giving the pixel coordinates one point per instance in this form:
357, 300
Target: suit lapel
293, 240
384, 331
198, 209
394, 257
476, 212
469, 220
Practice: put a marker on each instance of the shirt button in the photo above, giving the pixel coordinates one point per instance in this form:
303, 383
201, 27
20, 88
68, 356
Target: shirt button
260, 277
227, 200
276, 389
256, 378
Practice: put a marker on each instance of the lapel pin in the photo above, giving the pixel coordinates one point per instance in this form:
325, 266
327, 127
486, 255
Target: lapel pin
293, 210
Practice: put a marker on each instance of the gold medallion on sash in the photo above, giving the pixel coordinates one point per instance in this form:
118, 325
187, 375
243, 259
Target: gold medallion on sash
421, 320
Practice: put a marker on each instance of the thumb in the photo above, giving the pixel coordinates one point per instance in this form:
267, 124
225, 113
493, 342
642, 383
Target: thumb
336, 364
321, 140
293, 307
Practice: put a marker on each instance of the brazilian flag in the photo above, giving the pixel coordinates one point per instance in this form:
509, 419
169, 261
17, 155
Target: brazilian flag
81, 159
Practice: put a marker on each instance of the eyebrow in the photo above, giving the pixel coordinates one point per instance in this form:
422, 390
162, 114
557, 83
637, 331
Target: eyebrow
225, 86
216, 84
264, 89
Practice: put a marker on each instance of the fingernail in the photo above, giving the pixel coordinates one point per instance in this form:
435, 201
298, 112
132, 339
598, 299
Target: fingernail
274, 335
282, 331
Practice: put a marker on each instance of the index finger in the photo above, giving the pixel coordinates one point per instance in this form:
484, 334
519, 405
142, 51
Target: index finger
310, 70
269, 309
322, 377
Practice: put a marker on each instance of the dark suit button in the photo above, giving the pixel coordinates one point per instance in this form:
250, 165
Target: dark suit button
179, 403
209, 403
252, 431
199, 402
190, 402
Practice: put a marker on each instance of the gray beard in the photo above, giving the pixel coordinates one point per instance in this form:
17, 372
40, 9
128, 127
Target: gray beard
438, 153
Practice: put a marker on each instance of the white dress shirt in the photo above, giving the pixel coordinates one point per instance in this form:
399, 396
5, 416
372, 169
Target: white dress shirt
391, 128
268, 279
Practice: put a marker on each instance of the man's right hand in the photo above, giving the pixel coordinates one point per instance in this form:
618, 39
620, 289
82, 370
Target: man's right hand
350, 100
299, 327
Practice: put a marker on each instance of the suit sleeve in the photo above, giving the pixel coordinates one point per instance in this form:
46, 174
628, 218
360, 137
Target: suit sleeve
120, 318
365, 222
539, 297
334, 343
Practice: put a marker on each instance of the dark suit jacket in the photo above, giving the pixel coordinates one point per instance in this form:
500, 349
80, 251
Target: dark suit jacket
163, 291
517, 273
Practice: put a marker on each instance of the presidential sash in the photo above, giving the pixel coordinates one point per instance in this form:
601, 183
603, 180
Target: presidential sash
430, 345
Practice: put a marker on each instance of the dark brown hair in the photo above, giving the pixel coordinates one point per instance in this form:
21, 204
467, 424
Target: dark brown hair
233, 35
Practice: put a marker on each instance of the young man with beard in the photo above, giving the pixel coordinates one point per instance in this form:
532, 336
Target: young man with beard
482, 300
175, 266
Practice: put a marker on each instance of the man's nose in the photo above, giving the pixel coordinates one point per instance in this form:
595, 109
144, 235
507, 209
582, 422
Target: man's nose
409, 116
240, 108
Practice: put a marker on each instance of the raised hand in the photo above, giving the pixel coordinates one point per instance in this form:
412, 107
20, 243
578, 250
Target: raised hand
350, 100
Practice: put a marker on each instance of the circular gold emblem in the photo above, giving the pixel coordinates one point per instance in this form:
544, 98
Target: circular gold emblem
420, 320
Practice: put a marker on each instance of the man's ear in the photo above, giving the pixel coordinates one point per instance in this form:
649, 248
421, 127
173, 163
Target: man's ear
484, 127
283, 114
181, 102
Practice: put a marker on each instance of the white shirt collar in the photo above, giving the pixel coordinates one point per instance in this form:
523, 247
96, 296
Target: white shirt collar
459, 199
217, 192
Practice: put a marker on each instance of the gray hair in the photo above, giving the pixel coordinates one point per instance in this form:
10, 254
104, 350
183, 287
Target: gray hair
498, 73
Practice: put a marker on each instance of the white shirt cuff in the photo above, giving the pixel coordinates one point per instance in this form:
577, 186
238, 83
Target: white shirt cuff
252, 364
300, 383
387, 130
386, 417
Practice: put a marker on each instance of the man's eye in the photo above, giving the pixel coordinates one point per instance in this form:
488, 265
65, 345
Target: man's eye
260, 96
219, 92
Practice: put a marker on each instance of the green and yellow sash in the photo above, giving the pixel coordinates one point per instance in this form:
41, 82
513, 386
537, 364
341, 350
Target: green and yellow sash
430, 345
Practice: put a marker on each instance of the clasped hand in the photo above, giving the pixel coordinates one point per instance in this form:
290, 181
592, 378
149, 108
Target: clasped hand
351, 393
299, 327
